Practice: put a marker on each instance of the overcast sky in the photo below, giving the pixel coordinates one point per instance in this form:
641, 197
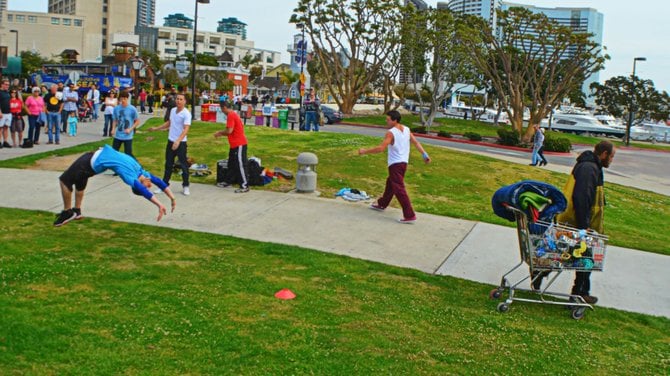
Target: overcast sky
632, 28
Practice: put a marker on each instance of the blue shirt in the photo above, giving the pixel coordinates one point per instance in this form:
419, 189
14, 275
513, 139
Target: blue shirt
128, 169
125, 118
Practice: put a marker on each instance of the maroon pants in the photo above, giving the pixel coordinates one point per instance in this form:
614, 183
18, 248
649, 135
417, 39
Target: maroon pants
395, 186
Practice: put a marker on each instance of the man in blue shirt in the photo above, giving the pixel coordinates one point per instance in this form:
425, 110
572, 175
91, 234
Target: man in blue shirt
125, 122
93, 163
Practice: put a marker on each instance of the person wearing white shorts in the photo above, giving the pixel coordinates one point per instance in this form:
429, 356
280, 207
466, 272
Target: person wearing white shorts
5, 113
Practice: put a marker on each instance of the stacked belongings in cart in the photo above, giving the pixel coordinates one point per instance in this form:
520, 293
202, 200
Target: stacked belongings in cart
544, 245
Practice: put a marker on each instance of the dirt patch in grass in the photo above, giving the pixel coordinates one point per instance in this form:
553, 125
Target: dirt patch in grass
54, 163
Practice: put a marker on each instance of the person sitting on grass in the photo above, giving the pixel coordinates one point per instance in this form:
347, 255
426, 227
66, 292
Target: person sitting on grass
93, 163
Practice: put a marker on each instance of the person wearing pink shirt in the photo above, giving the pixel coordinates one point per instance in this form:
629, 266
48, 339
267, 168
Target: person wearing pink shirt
35, 106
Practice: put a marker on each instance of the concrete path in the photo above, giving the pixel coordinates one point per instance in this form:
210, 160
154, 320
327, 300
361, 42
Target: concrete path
633, 281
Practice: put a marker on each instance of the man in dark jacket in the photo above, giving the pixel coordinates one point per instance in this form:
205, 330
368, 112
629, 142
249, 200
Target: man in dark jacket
586, 202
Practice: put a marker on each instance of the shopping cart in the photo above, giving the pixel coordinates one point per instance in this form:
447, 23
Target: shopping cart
548, 247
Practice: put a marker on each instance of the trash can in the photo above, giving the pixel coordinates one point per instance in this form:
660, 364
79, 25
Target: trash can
305, 178
214, 109
258, 116
205, 114
293, 117
275, 118
283, 118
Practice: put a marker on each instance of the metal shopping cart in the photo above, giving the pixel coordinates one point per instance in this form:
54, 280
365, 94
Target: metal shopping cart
548, 247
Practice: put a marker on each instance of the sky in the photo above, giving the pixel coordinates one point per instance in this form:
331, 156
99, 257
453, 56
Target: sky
631, 29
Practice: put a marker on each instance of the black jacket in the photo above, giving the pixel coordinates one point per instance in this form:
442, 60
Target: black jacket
588, 174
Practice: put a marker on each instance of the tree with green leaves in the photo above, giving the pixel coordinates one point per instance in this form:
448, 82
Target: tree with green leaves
32, 62
249, 60
533, 62
619, 95
432, 50
352, 40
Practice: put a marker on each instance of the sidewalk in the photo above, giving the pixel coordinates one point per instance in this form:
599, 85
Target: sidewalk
633, 280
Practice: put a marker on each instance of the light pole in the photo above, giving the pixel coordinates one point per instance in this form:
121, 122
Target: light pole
17, 41
195, 31
631, 109
302, 52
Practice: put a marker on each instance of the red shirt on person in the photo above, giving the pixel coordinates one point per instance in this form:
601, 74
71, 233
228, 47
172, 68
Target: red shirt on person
15, 106
237, 137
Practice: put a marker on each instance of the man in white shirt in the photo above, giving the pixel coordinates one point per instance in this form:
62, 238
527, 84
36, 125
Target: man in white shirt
178, 124
93, 97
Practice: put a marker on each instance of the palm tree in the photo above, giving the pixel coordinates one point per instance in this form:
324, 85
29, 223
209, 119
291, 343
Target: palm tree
249, 60
288, 77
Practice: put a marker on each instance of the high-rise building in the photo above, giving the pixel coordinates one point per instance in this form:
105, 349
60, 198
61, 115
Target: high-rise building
580, 20
418, 4
405, 77
146, 12
178, 20
232, 25
485, 9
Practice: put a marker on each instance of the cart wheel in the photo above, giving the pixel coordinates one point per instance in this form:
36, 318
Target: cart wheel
495, 294
503, 307
578, 313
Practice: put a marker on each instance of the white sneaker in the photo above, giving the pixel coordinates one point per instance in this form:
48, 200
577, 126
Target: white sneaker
186, 191
157, 191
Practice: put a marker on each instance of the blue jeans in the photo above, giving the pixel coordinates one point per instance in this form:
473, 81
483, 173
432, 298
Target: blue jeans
535, 158
96, 106
310, 118
33, 128
108, 123
53, 126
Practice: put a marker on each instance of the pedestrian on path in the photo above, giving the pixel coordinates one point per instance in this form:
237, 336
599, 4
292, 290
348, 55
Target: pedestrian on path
90, 164
178, 123
16, 108
237, 154
111, 101
54, 109
538, 146
586, 202
5, 113
35, 106
93, 98
397, 142
126, 121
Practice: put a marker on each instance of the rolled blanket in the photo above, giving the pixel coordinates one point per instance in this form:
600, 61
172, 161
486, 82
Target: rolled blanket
514, 194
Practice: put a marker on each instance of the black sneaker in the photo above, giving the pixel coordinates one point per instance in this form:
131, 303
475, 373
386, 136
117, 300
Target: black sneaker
590, 299
6, 145
242, 190
223, 184
64, 217
77, 213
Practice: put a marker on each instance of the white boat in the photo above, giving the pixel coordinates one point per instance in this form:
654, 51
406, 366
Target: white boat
577, 121
487, 115
660, 131
636, 133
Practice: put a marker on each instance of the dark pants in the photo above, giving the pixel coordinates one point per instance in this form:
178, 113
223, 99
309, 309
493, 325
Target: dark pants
108, 129
63, 118
127, 146
237, 166
540, 153
33, 128
395, 186
170, 154
582, 284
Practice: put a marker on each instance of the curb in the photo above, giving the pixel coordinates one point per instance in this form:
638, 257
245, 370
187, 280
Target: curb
480, 143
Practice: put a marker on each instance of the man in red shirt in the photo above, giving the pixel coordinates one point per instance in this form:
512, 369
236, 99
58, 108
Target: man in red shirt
237, 155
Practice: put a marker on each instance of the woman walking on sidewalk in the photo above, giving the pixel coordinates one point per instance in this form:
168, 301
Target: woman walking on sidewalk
35, 105
397, 142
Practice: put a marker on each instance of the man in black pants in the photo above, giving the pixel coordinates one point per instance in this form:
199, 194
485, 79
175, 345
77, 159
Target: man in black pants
178, 124
237, 155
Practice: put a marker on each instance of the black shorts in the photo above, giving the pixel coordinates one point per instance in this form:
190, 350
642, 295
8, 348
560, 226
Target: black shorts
78, 173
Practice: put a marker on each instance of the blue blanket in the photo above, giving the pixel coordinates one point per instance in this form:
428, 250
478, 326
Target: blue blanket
510, 195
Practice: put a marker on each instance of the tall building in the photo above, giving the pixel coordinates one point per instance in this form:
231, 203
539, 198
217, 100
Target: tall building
232, 25
580, 20
178, 20
146, 12
485, 9
405, 77
104, 18
418, 4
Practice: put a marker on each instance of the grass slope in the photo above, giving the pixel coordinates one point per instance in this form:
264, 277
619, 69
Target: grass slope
99, 297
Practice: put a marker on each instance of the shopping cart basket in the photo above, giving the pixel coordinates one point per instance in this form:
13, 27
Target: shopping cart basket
548, 247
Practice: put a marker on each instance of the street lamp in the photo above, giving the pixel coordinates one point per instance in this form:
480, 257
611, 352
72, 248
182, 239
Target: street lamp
302, 53
195, 31
631, 109
17, 41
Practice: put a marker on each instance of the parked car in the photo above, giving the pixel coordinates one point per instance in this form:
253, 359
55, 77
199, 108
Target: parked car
332, 116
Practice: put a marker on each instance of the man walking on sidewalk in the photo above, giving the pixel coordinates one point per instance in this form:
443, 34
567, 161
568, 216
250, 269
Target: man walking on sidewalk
397, 142
75, 178
586, 203
237, 154
178, 123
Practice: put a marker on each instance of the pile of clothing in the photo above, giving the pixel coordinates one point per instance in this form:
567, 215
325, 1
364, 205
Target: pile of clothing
352, 194
540, 201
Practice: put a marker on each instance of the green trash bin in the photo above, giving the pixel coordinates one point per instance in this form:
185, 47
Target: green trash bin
283, 119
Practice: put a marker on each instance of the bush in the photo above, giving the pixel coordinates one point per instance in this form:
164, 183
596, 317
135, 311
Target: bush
420, 130
472, 136
552, 142
509, 137
444, 134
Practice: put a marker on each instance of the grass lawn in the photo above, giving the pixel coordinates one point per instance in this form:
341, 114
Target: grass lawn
101, 297
456, 184
460, 126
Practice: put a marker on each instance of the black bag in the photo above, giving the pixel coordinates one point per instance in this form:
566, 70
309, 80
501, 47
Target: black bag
255, 171
27, 143
102, 108
222, 172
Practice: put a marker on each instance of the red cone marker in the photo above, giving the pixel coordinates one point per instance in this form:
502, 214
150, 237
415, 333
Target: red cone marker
285, 294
